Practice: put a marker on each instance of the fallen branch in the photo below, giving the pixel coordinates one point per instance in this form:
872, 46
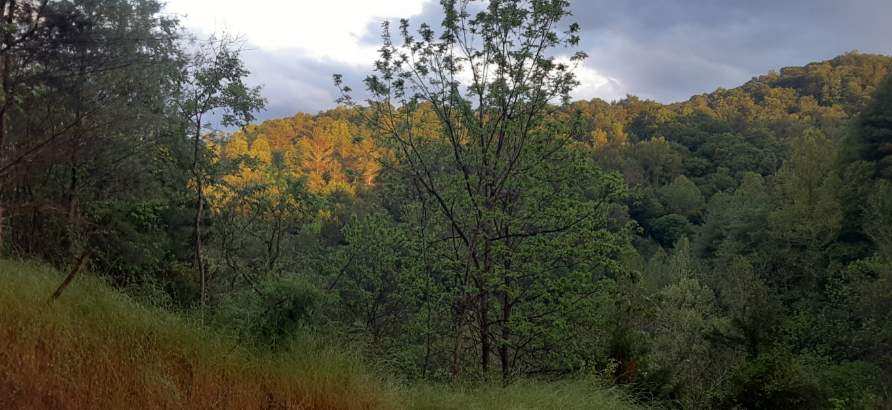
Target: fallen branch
81, 261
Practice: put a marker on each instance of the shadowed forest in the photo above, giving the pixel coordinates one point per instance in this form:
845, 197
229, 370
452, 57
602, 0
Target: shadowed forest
457, 234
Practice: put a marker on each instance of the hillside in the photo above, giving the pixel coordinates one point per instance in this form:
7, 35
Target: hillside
439, 240
97, 348
702, 176
713, 139
756, 120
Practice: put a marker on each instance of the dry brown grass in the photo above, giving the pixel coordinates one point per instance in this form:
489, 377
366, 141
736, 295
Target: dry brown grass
94, 348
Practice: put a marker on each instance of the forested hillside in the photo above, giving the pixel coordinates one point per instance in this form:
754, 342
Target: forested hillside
730, 251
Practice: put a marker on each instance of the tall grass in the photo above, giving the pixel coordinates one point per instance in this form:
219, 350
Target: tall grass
96, 348
565, 395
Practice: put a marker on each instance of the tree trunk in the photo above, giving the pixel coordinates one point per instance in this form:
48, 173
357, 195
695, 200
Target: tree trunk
483, 307
455, 371
4, 105
485, 347
198, 262
72, 219
504, 359
81, 261
1, 228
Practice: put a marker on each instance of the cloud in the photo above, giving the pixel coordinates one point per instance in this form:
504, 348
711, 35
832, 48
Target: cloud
665, 50
324, 29
293, 48
669, 50
294, 82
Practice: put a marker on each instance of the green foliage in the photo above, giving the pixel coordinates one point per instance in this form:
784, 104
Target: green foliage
660, 161
521, 219
668, 229
275, 313
133, 240
734, 222
878, 218
807, 186
84, 114
729, 251
682, 197
873, 138
695, 368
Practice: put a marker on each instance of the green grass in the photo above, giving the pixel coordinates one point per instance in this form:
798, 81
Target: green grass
566, 395
97, 348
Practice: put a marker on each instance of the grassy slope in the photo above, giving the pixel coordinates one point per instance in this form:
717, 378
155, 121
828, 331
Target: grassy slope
568, 395
96, 348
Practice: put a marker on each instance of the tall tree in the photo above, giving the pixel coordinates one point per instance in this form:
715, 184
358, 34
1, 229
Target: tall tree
873, 134
212, 83
502, 179
85, 92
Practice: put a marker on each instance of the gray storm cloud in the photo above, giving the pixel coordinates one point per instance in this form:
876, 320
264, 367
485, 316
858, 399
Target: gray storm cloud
666, 50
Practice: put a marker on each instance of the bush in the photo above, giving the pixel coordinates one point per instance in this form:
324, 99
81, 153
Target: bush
274, 313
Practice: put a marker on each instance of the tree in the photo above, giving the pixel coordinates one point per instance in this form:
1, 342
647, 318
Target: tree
658, 160
734, 223
501, 176
683, 197
212, 82
879, 218
809, 213
83, 111
872, 140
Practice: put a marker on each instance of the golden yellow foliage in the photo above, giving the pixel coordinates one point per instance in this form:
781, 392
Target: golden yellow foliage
331, 153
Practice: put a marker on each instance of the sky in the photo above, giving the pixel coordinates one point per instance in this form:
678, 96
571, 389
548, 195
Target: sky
664, 50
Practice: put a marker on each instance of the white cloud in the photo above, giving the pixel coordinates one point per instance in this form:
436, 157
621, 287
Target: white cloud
593, 84
295, 45
320, 29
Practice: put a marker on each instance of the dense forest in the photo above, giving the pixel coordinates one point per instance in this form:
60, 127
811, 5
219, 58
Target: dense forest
461, 222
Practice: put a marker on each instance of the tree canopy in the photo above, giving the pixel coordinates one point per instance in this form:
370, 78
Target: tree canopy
465, 221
